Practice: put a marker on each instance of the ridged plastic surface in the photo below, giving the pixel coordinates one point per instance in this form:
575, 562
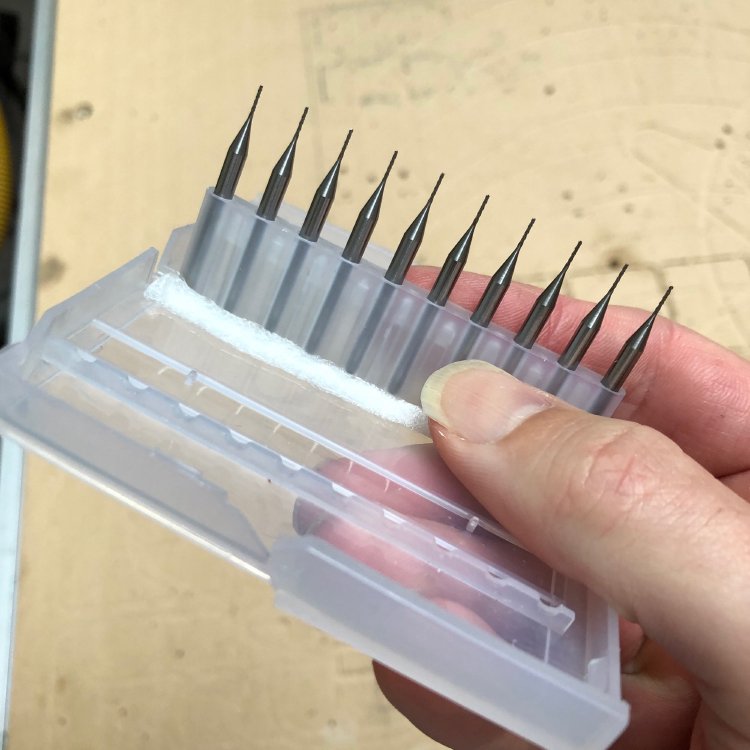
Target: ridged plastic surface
353, 518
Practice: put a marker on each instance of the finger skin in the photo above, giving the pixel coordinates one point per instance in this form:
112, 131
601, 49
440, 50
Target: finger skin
685, 386
622, 509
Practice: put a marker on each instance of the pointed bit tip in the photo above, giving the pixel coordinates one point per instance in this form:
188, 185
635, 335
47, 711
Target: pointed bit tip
346, 143
617, 280
572, 255
481, 210
255, 102
435, 189
390, 166
525, 234
300, 124
658, 308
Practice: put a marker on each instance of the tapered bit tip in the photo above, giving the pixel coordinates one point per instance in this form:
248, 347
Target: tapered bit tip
234, 161
479, 213
301, 123
390, 166
435, 189
619, 277
631, 351
572, 255
658, 308
526, 233
346, 143
255, 101
498, 285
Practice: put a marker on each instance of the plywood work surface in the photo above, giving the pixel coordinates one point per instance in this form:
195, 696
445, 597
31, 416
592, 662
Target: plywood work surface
625, 125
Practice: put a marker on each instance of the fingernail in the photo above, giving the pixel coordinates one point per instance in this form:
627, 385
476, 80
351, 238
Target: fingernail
479, 402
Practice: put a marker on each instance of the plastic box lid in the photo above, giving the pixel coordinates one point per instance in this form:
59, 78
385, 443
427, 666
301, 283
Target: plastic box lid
351, 517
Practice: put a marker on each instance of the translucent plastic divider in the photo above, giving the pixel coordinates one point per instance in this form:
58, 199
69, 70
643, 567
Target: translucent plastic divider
277, 250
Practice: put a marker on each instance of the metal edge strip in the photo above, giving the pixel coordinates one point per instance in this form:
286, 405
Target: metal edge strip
22, 310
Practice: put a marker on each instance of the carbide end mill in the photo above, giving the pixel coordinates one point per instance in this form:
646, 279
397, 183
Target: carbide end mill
411, 241
234, 161
400, 264
323, 198
454, 263
498, 285
281, 174
355, 248
632, 350
364, 226
588, 328
543, 307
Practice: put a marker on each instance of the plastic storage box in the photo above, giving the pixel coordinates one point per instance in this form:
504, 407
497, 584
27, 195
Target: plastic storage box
149, 391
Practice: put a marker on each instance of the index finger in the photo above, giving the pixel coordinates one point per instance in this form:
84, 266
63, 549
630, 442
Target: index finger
686, 386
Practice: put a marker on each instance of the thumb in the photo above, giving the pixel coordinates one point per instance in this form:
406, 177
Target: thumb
613, 504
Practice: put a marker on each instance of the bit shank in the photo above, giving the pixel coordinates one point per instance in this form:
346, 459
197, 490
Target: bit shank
323, 320
402, 259
353, 252
365, 337
310, 232
268, 209
438, 295
396, 383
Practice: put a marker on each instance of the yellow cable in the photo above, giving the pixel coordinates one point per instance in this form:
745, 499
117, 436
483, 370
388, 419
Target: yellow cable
6, 178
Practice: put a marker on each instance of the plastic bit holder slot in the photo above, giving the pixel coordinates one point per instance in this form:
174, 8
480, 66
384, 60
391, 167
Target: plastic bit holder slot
280, 253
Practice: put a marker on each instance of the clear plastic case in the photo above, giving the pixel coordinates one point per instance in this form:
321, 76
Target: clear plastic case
267, 251
350, 516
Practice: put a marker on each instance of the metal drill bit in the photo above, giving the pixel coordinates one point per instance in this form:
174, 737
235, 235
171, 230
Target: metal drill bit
401, 262
632, 350
231, 169
366, 220
583, 338
281, 174
538, 315
493, 295
268, 209
353, 252
438, 295
587, 330
411, 241
310, 232
454, 263
323, 198
543, 307
207, 224
498, 285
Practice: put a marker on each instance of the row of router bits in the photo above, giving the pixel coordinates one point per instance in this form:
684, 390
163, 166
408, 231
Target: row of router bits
481, 316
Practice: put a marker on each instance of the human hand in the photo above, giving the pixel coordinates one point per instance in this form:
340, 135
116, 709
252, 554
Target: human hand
652, 514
